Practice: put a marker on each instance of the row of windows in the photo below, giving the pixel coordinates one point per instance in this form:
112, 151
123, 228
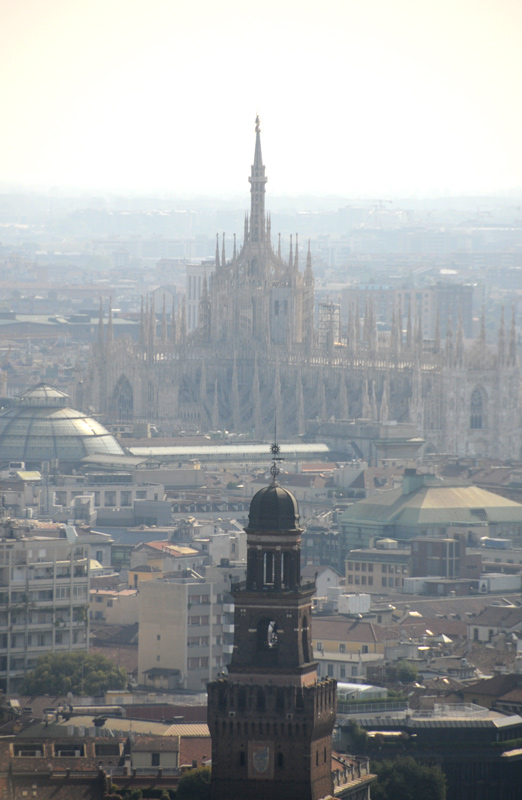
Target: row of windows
19, 640
363, 567
344, 671
363, 580
110, 497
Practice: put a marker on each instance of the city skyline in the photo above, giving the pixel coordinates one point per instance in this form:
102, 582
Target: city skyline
376, 99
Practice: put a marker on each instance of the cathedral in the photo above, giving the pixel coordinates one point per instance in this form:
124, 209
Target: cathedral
259, 353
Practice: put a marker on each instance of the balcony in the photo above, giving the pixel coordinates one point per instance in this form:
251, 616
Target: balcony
228, 628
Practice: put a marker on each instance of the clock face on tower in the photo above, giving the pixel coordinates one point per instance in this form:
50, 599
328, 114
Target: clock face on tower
261, 761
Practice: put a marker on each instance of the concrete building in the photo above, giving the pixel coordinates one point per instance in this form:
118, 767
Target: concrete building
426, 506
44, 597
380, 570
186, 628
114, 607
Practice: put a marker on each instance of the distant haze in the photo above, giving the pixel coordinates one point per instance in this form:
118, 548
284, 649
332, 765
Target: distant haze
373, 97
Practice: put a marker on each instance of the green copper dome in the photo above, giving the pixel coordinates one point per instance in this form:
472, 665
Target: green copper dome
41, 427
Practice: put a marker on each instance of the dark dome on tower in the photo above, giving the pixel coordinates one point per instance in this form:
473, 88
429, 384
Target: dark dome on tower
273, 509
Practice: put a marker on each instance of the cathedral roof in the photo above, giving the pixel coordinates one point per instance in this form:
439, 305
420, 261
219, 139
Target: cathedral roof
273, 509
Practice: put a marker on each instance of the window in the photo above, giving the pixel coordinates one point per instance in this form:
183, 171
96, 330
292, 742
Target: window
342, 648
154, 759
330, 670
476, 409
364, 648
383, 581
319, 646
141, 495
99, 556
110, 499
126, 498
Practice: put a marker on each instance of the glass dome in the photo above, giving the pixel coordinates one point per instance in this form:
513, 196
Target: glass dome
41, 427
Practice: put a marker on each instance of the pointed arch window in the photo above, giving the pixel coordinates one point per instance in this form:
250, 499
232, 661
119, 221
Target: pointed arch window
123, 400
476, 410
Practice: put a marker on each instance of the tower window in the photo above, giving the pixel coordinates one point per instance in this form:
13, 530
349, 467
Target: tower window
242, 759
267, 637
279, 759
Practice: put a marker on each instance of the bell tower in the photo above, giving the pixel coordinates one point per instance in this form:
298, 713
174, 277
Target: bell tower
271, 719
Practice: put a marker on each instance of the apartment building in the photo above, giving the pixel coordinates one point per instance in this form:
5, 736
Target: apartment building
380, 569
44, 597
186, 628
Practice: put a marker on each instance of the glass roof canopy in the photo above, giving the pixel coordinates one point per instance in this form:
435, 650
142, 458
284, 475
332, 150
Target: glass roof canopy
41, 427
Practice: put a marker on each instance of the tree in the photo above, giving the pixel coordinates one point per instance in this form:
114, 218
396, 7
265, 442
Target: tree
194, 785
404, 778
79, 673
407, 672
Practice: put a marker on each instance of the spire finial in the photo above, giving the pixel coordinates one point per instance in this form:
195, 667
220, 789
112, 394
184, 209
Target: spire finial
274, 469
258, 123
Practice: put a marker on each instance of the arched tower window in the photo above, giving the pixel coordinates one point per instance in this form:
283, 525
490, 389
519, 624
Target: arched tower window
476, 409
267, 638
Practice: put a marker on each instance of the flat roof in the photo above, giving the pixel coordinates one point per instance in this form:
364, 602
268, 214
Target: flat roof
240, 451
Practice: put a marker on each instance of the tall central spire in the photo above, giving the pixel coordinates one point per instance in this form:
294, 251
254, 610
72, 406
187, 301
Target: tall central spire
257, 182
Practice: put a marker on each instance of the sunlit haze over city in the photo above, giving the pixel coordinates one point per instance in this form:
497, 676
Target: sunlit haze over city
355, 98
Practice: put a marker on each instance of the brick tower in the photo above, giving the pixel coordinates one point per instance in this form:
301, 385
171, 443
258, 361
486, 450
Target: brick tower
270, 719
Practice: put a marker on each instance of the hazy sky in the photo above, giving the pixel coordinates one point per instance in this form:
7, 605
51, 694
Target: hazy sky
355, 96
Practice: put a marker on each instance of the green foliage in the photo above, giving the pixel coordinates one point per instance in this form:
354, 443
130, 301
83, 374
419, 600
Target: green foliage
79, 673
406, 779
194, 785
358, 737
406, 672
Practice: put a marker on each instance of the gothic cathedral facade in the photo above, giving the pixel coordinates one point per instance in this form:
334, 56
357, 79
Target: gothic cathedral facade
257, 353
